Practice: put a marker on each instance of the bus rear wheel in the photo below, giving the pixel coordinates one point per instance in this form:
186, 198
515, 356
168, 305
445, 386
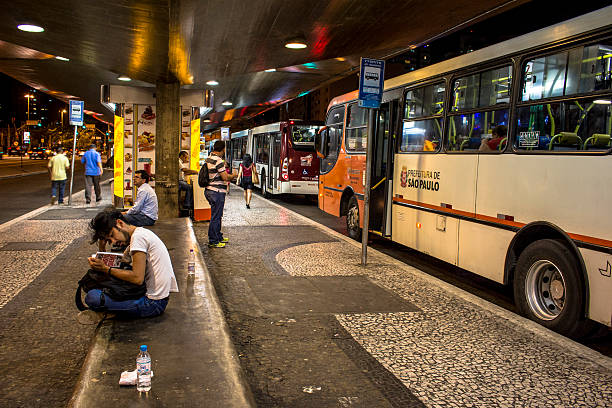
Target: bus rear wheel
352, 219
548, 288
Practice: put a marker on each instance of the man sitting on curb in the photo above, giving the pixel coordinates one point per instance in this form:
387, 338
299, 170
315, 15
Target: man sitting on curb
150, 264
144, 211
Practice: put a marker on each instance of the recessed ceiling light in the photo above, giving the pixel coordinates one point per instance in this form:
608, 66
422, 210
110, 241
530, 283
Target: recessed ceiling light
124, 78
212, 83
341, 59
602, 102
227, 103
30, 28
206, 121
270, 70
62, 58
296, 44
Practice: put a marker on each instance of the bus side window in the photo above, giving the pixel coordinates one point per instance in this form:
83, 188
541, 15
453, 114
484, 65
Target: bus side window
422, 124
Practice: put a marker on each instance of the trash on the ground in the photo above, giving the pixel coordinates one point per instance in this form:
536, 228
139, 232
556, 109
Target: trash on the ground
130, 377
311, 388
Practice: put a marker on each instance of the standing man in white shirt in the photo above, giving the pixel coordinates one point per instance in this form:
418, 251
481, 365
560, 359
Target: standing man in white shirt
150, 264
144, 211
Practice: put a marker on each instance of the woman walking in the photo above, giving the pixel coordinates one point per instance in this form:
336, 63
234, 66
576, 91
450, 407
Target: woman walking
245, 177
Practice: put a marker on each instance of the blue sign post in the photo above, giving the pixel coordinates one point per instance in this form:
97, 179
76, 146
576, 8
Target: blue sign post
371, 79
77, 112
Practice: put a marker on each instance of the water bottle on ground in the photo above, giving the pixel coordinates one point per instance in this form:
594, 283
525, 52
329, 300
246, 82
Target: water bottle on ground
191, 263
143, 365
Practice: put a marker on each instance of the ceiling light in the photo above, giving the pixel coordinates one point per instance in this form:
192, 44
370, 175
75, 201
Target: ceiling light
227, 103
57, 57
341, 59
602, 102
206, 121
296, 44
270, 70
30, 28
124, 78
212, 83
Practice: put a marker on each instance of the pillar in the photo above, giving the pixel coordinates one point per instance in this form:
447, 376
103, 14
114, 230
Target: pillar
168, 129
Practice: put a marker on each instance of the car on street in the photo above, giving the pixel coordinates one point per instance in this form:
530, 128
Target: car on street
39, 153
13, 151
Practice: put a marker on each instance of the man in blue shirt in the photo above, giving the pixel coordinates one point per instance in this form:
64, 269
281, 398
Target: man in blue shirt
93, 170
144, 211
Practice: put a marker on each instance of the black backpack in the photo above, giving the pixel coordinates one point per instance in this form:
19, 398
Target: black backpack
203, 179
116, 289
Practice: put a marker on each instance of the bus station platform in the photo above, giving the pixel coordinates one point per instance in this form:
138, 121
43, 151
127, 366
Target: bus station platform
313, 328
283, 316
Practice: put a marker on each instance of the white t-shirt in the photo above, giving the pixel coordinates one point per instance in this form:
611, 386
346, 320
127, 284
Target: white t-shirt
182, 166
159, 275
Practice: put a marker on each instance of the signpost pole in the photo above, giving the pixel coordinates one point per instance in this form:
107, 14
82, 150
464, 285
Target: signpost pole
366, 188
72, 167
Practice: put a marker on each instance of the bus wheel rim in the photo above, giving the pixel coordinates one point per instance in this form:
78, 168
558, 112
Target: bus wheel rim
545, 290
353, 217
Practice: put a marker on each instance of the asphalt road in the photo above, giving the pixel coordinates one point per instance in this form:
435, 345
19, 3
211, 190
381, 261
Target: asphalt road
491, 291
20, 195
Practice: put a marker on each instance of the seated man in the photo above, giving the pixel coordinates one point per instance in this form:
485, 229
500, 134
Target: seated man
492, 145
150, 264
144, 211
184, 170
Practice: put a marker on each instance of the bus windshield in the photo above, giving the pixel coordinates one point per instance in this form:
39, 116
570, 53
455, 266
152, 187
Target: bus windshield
304, 136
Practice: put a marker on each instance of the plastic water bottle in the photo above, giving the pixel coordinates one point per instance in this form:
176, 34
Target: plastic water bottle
191, 263
143, 365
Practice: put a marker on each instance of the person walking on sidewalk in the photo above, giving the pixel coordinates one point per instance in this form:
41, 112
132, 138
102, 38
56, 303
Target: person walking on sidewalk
144, 211
93, 170
57, 170
215, 193
150, 264
245, 178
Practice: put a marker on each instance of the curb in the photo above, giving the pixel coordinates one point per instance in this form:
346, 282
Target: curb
33, 173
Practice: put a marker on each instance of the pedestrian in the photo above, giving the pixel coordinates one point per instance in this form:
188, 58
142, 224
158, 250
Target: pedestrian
184, 170
245, 178
144, 211
150, 263
57, 170
215, 193
93, 171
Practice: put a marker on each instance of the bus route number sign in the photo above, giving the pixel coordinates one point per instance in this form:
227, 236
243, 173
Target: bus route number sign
371, 78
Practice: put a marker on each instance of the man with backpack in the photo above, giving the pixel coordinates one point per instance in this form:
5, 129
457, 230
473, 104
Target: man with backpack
150, 262
216, 187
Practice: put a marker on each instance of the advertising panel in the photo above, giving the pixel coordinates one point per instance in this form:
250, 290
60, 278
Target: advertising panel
145, 129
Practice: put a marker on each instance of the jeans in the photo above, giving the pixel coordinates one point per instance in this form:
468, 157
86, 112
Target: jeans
95, 181
143, 307
216, 201
139, 220
183, 185
58, 185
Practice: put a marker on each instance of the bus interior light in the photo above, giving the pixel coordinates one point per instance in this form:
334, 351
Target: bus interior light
602, 102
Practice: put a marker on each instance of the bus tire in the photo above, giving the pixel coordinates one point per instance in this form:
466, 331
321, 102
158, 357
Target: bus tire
352, 219
264, 185
548, 288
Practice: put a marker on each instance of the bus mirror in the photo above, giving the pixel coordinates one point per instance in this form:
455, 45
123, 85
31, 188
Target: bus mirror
320, 138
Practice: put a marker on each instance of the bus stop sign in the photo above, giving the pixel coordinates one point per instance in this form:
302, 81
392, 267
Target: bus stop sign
76, 113
371, 79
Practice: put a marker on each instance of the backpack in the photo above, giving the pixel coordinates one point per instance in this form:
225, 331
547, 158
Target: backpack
115, 288
203, 178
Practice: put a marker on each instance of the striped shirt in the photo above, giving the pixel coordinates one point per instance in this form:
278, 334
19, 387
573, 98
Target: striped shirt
215, 166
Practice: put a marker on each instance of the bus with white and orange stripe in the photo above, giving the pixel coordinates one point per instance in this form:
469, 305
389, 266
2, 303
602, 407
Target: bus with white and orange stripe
498, 162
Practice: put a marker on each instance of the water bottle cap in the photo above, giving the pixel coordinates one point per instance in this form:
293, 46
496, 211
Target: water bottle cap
143, 347
191, 250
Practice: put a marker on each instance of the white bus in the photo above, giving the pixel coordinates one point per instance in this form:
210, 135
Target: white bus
498, 162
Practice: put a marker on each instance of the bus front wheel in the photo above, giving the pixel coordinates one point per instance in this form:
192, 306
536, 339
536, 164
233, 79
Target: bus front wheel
548, 288
352, 219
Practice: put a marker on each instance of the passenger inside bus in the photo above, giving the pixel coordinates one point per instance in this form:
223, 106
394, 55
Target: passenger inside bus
498, 134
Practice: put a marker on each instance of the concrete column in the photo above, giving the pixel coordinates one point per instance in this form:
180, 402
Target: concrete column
168, 129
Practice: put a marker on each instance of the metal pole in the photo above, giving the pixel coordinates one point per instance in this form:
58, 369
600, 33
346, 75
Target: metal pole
366, 188
72, 169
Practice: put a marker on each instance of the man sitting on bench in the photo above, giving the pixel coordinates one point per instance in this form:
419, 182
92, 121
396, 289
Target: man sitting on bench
150, 264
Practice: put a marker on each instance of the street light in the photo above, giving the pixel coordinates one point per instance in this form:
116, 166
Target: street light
29, 97
62, 112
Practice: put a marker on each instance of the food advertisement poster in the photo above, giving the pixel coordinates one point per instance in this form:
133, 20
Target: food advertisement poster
128, 155
145, 128
185, 128
118, 165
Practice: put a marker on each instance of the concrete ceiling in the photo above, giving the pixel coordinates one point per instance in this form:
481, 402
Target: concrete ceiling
230, 41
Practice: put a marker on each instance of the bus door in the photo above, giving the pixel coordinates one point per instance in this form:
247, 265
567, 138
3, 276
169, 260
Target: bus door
381, 169
275, 154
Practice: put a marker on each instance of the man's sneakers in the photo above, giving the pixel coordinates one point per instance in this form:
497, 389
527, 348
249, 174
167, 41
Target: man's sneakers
53, 198
225, 240
217, 245
89, 317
